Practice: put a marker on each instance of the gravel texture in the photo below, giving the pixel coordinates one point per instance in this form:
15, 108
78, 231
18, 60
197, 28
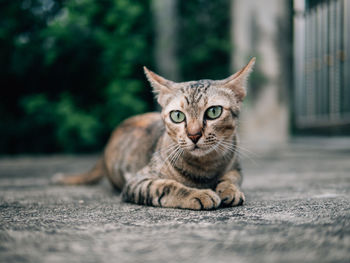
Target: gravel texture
297, 210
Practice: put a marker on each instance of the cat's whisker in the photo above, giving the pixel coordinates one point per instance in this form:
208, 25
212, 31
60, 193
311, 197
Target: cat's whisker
178, 156
228, 146
171, 146
158, 155
216, 147
169, 153
173, 158
172, 151
180, 152
235, 149
232, 150
187, 147
224, 149
244, 149
244, 154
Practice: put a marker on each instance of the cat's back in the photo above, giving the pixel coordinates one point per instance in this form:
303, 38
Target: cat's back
132, 144
139, 123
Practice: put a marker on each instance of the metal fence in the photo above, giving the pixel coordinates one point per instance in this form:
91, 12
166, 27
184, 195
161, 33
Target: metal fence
322, 63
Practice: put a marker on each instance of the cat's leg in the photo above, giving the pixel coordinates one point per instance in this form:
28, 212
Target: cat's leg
228, 189
169, 193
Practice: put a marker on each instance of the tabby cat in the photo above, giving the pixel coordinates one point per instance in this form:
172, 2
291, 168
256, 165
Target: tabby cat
185, 156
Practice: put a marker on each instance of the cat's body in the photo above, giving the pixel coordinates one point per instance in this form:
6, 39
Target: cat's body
185, 156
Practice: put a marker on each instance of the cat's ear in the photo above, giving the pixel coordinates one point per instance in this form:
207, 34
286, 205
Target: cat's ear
161, 86
158, 83
237, 82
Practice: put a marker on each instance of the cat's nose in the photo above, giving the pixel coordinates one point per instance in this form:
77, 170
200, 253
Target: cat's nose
194, 137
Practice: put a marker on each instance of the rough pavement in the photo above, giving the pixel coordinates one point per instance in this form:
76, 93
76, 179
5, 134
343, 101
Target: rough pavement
297, 210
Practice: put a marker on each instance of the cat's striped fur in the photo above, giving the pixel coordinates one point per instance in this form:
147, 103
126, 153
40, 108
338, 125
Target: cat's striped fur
155, 161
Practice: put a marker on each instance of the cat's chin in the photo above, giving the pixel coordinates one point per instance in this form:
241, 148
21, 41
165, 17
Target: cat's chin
199, 151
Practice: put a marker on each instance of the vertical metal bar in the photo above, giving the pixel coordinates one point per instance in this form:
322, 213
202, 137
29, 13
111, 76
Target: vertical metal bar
346, 72
319, 85
327, 59
307, 64
342, 59
325, 94
337, 51
312, 93
299, 60
305, 70
331, 58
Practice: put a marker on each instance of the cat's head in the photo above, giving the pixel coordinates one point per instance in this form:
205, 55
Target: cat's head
201, 116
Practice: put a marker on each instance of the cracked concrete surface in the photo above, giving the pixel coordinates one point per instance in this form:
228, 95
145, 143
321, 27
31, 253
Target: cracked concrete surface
297, 210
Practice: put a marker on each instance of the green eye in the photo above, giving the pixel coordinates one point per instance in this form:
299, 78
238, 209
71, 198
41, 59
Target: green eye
213, 112
177, 116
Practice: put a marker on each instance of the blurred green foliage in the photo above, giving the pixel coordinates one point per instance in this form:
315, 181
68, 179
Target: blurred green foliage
71, 70
204, 34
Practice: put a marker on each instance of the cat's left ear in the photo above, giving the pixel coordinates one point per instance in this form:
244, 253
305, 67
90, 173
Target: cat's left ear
161, 86
237, 82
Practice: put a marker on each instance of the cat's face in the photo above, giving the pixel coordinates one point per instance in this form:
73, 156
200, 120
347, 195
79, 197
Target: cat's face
201, 116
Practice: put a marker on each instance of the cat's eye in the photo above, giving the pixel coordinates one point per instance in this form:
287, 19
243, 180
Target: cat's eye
213, 112
177, 116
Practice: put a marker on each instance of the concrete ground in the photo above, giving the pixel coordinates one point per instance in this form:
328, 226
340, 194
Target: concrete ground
297, 210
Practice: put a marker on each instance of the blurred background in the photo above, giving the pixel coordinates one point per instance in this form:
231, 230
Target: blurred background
71, 70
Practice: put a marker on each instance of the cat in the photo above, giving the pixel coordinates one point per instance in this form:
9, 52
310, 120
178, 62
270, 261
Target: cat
184, 157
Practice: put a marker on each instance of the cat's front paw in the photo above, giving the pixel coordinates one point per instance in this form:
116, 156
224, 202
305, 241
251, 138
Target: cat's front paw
203, 200
230, 194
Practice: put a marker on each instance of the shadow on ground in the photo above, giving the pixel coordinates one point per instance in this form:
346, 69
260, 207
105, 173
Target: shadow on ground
297, 210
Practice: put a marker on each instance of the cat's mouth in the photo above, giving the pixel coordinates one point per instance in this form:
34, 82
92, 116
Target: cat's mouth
199, 150
196, 150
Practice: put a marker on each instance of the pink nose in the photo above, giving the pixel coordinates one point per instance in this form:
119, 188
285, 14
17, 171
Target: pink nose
194, 137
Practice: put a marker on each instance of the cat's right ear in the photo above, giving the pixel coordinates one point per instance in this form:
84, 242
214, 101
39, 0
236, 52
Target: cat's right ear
161, 86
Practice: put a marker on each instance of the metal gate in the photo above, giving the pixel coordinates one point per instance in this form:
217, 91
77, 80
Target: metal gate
321, 64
